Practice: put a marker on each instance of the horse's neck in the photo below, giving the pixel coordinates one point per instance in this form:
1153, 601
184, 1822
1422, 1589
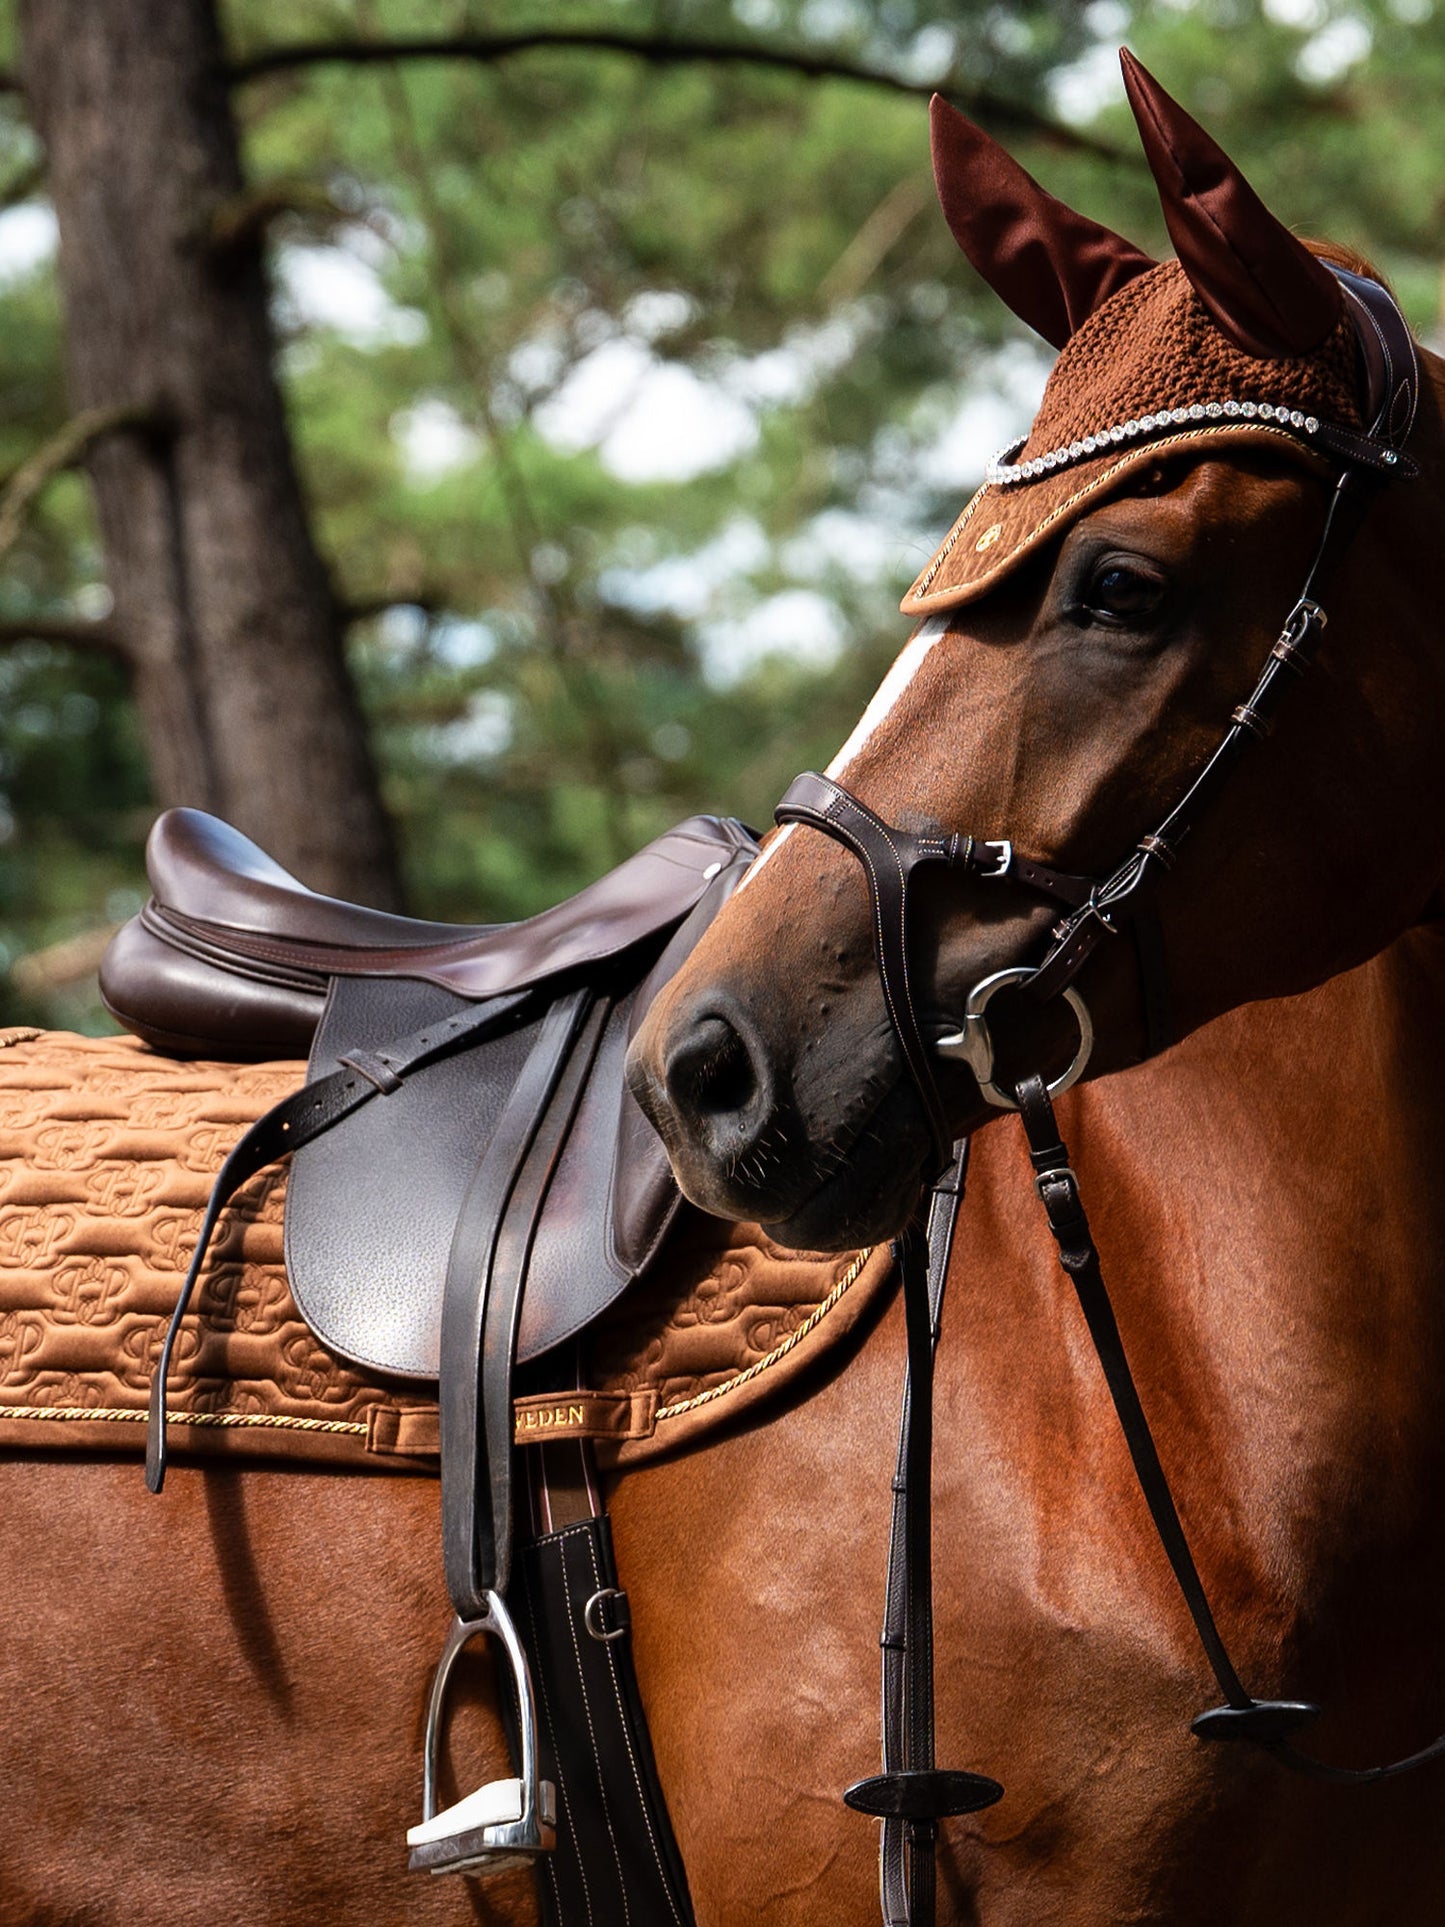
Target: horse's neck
1298, 1142
1268, 1203
1341, 1089
1337, 1095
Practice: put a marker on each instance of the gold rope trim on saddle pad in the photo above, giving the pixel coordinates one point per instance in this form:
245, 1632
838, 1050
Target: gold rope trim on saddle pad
779, 1352
102, 1416
107, 1154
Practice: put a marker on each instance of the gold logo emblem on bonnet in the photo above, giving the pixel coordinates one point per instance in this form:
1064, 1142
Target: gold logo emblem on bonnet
988, 538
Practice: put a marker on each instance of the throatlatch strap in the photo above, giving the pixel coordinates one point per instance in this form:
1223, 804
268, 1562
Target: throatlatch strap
911, 1794
1267, 1724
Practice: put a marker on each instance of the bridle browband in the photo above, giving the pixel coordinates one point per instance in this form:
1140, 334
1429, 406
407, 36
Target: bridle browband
911, 1794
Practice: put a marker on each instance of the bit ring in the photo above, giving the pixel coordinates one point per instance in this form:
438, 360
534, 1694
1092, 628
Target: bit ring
972, 1043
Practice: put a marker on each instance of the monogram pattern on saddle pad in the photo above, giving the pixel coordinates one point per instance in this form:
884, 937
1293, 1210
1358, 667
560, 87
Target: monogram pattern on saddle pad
107, 1155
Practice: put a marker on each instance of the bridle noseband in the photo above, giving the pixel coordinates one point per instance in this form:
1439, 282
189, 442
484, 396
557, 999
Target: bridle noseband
890, 857
911, 1795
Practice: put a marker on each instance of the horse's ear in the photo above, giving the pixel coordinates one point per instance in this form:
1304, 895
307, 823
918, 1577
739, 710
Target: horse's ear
1263, 287
1053, 267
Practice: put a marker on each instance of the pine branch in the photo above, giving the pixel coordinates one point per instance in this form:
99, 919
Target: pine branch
364, 608
69, 445
244, 219
76, 632
487, 49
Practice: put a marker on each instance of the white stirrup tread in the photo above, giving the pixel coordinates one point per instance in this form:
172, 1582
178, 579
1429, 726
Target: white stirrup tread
497, 1804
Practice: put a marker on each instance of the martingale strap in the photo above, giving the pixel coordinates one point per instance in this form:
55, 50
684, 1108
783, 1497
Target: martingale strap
911, 1794
1268, 1724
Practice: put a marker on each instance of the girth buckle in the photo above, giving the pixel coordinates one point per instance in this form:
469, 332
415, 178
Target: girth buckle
504, 1822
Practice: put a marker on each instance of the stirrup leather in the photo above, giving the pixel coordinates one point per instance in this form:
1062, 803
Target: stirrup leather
504, 1821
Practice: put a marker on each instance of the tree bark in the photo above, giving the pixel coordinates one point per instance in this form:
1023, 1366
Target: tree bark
221, 597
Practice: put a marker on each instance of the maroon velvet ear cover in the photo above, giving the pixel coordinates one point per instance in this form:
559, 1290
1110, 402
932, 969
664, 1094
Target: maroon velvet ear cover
1264, 288
1052, 266
1237, 344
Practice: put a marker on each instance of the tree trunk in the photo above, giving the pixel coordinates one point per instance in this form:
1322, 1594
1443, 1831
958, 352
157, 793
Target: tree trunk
220, 595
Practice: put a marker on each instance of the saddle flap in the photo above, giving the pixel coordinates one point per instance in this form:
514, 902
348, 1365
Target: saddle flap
613, 1197
372, 1205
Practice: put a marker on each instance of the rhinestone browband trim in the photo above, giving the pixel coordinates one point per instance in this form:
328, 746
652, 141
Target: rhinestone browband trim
1003, 469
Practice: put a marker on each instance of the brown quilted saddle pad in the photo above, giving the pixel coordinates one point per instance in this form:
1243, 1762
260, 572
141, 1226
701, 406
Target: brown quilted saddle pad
107, 1155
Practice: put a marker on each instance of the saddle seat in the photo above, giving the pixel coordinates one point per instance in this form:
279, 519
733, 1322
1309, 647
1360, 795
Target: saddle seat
233, 956
204, 868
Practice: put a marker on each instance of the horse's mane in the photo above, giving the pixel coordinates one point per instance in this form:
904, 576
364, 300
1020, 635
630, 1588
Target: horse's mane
1340, 256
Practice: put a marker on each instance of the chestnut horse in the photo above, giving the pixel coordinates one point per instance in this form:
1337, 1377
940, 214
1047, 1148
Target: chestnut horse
213, 1701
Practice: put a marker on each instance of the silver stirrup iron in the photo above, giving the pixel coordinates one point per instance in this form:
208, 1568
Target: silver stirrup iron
505, 1822
973, 1043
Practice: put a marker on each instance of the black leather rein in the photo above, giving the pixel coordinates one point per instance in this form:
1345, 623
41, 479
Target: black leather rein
911, 1795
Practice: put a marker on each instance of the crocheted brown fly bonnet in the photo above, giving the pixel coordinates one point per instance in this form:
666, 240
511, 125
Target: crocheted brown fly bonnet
1245, 339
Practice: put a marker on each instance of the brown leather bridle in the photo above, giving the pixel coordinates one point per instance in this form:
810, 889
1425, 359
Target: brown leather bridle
1099, 907
911, 1794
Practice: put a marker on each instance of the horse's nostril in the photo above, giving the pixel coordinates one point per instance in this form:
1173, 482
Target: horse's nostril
710, 1073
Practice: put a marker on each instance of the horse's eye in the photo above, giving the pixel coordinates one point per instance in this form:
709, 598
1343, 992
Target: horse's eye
1118, 592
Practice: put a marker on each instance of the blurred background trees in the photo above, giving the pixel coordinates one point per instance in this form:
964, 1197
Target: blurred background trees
457, 440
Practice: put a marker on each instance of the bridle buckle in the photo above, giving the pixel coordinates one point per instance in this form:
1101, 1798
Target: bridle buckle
1056, 1175
1002, 861
1306, 614
1096, 910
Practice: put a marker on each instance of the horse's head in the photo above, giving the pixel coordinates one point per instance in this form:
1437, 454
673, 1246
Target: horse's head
1100, 610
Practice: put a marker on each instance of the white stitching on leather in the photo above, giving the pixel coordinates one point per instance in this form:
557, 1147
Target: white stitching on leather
861, 850
622, 1721
547, 1858
587, 1709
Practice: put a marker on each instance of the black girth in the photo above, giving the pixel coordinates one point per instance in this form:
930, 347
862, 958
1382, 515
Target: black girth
911, 1795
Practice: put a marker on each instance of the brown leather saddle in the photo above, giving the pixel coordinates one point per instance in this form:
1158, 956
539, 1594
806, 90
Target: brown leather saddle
232, 957
471, 1183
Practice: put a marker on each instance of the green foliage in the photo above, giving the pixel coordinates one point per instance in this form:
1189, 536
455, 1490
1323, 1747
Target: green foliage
529, 213
564, 656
